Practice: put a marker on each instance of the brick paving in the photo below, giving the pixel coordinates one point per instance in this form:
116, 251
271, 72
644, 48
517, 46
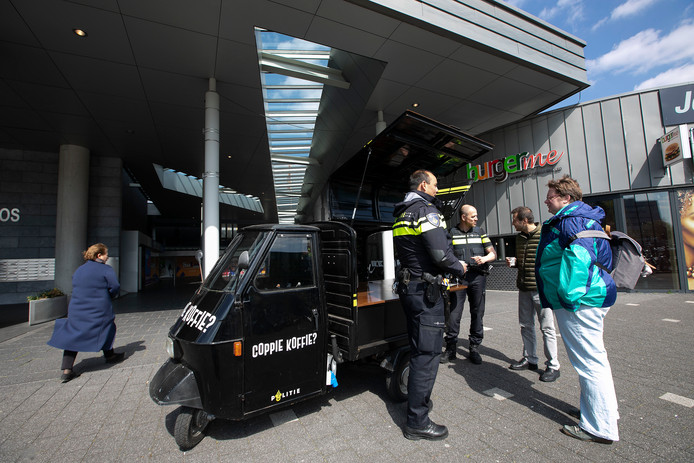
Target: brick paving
106, 414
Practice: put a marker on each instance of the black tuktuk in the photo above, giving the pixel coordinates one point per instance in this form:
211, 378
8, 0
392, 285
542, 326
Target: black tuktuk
285, 304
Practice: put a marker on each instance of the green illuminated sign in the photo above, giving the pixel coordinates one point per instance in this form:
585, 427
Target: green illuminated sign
499, 169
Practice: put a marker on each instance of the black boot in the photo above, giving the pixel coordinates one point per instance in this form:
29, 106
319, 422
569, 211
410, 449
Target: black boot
448, 356
475, 356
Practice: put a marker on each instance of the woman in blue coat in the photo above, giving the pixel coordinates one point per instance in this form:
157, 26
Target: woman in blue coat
89, 326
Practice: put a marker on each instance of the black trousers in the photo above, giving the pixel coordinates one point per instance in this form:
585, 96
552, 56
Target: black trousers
475, 293
69, 357
425, 323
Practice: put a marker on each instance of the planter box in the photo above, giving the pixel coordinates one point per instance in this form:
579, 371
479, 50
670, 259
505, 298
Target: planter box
45, 310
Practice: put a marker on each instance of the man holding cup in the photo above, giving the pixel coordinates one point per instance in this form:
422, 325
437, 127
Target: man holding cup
529, 300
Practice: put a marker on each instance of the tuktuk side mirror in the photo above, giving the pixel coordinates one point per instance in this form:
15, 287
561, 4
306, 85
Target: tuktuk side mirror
198, 257
243, 261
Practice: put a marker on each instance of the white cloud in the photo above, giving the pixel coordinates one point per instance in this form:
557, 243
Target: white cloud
573, 9
626, 9
599, 23
647, 50
630, 8
673, 76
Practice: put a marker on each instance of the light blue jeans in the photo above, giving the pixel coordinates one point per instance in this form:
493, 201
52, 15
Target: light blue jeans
582, 334
528, 308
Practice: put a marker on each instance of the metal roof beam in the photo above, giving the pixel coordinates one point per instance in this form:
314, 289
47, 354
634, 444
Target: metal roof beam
307, 71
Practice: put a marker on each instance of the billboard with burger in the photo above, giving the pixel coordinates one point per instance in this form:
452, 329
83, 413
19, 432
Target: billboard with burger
673, 145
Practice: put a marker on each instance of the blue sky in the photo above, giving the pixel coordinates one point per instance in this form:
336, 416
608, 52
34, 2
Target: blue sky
631, 44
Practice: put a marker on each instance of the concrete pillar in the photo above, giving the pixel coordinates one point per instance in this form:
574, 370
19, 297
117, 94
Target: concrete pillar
72, 213
380, 124
210, 180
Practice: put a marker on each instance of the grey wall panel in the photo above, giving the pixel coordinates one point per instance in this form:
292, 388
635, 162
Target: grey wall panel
485, 202
530, 186
595, 150
503, 223
682, 171
614, 145
637, 162
557, 142
540, 135
542, 176
479, 201
489, 221
514, 185
500, 189
652, 130
576, 147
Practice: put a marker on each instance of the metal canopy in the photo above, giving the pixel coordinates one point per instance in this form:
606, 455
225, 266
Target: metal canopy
134, 87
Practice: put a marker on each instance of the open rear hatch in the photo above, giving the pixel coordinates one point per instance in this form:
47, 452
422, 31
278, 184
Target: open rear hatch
376, 177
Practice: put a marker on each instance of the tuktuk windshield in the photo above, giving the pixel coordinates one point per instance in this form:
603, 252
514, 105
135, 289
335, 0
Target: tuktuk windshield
225, 276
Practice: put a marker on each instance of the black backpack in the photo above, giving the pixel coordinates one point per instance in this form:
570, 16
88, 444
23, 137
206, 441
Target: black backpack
628, 263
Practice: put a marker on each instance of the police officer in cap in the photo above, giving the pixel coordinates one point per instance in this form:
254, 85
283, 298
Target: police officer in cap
425, 253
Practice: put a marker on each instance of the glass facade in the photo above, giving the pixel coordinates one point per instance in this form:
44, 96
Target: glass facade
659, 227
649, 221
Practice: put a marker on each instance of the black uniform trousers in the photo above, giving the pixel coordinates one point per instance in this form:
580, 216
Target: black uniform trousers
425, 325
475, 293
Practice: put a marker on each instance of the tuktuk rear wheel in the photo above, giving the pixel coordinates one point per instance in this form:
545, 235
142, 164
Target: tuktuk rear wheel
396, 382
190, 427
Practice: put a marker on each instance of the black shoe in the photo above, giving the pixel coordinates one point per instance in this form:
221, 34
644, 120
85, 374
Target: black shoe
574, 413
432, 432
116, 358
448, 356
578, 433
549, 375
475, 357
65, 377
524, 365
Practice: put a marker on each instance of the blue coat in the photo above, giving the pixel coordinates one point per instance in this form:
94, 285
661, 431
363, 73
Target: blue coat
89, 326
565, 270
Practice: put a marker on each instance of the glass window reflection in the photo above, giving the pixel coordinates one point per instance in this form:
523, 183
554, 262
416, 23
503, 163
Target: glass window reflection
649, 221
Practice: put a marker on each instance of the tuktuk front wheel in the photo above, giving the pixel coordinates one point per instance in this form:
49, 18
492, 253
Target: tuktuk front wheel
190, 427
396, 382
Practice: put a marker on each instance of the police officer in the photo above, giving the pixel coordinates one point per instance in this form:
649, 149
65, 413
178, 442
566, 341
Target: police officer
425, 253
472, 246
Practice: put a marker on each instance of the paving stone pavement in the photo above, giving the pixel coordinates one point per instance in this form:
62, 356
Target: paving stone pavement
106, 414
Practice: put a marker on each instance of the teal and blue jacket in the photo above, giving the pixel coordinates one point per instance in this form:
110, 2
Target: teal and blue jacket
565, 270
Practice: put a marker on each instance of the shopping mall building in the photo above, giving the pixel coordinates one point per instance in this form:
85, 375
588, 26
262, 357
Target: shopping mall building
631, 155
161, 129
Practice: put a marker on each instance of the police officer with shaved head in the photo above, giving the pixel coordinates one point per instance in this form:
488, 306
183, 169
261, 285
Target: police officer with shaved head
425, 253
471, 245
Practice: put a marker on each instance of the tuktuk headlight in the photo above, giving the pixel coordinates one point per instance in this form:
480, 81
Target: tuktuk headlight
173, 348
170, 348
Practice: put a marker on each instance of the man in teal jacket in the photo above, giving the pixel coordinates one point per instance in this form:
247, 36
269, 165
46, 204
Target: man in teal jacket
580, 293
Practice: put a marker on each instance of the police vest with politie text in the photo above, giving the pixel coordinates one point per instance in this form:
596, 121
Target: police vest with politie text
472, 243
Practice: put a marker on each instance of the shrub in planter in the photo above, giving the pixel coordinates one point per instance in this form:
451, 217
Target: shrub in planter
55, 292
47, 306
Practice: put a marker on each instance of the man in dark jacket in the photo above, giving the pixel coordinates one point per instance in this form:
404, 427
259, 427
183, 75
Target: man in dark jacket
425, 253
529, 300
472, 246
